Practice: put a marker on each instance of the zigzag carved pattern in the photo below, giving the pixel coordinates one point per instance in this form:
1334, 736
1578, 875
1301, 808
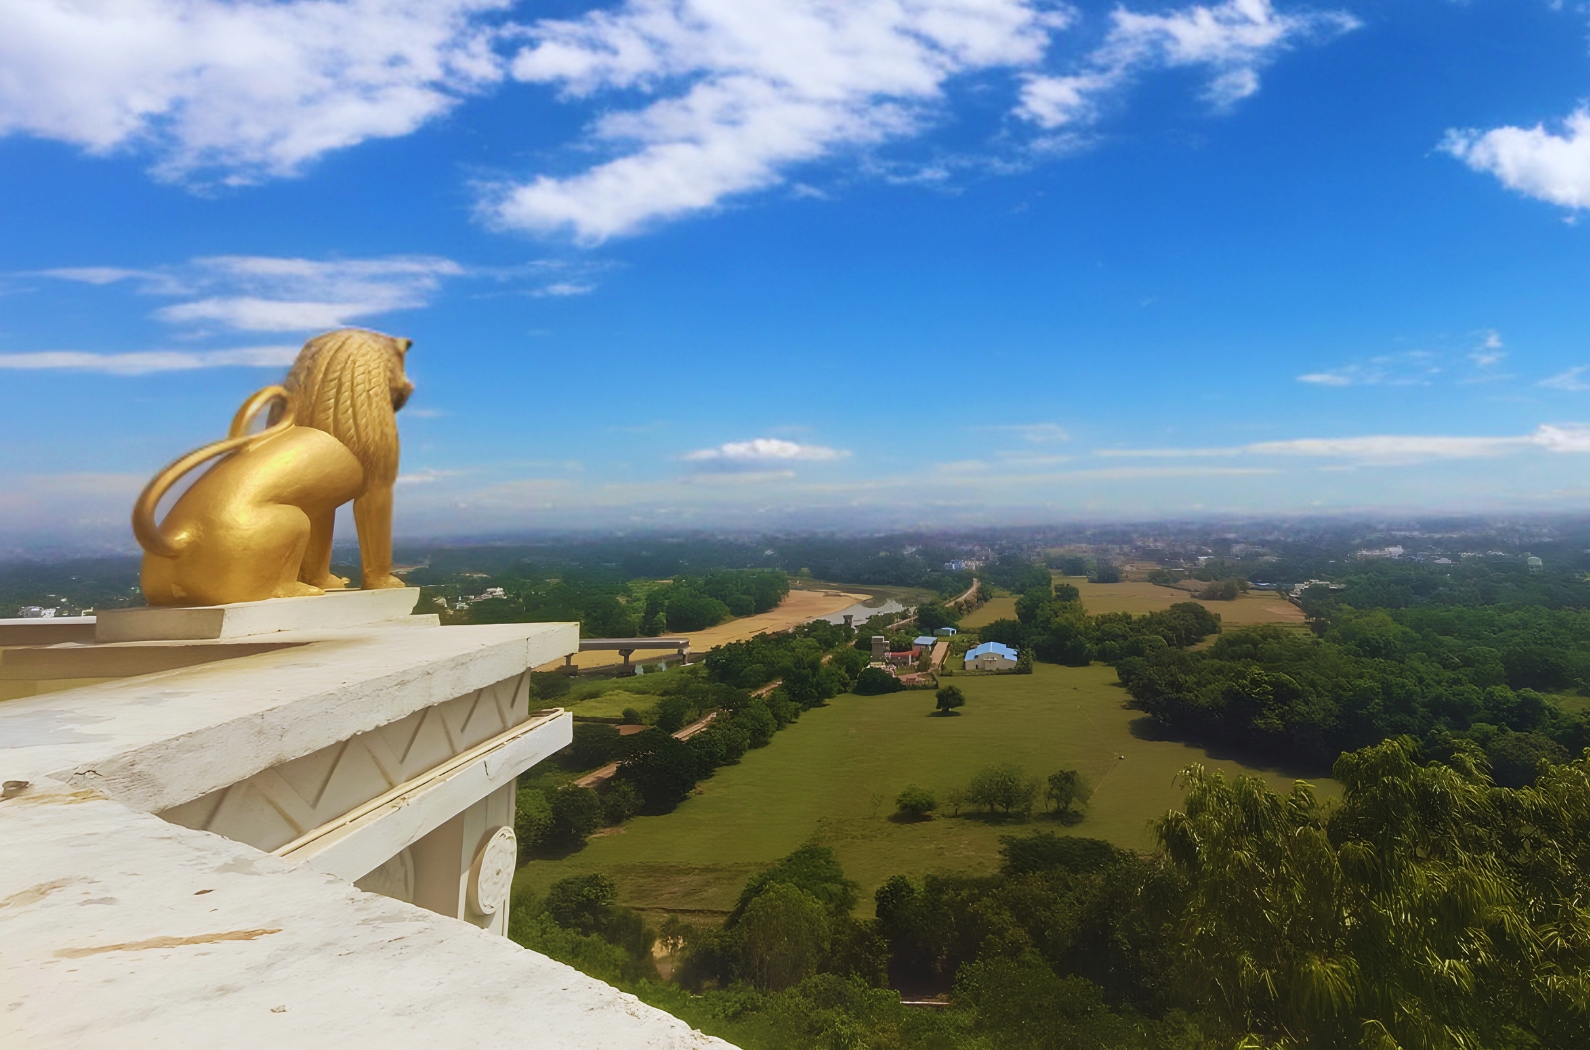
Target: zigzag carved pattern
276, 805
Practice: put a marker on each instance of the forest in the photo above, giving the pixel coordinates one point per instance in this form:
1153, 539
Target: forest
1429, 909
1436, 672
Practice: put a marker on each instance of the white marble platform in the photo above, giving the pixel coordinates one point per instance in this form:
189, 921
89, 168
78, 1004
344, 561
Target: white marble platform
123, 925
121, 930
245, 619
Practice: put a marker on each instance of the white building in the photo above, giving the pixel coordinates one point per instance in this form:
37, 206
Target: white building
990, 656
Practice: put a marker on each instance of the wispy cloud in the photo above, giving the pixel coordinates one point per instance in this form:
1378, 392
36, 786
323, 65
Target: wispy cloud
1420, 367
1033, 433
1571, 379
1413, 368
564, 289
1391, 449
1233, 41
426, 477
1491, 350
145, 362
1552, 166
254, 293
250, 293
266, 294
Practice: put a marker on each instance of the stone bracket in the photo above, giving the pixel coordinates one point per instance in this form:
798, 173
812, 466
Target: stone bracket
367, 835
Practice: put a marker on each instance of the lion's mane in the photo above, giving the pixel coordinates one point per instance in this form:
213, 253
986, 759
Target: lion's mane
350, 383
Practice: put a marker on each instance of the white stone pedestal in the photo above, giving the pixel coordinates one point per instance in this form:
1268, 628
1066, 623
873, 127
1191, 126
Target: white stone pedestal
241, 619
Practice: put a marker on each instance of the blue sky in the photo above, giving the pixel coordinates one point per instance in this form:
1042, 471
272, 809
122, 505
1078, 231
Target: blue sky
738, 262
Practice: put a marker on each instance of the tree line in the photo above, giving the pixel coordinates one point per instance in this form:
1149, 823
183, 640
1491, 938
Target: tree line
1052, 624
1432, 672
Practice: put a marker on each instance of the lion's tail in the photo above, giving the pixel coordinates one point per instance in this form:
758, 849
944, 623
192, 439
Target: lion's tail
148, 533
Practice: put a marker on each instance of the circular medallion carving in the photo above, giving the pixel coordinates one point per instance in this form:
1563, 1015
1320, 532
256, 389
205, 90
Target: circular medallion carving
492, 873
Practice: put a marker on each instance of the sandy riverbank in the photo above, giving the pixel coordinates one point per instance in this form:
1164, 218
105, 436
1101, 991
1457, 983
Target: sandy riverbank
800, 607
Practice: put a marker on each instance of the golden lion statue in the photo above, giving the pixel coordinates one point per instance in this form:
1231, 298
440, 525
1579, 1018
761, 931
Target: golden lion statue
259, 523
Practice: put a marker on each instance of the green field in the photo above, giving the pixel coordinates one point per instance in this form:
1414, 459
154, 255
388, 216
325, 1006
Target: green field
988, 612
833, 776
1138, 597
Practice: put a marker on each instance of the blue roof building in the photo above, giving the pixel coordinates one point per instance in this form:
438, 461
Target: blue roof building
925, 641
990, 656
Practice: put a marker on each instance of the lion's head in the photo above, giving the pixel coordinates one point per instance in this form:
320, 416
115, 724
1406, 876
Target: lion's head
350, 383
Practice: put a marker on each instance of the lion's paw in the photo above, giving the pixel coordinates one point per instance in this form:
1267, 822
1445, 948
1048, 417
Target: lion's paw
381, 583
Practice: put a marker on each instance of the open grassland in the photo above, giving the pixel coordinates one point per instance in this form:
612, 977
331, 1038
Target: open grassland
988, 612
833, 777
1138, 597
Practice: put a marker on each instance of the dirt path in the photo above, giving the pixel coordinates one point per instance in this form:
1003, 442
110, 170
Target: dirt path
798, 608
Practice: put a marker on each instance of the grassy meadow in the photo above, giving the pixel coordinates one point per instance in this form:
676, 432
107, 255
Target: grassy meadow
833, 777
1139, 597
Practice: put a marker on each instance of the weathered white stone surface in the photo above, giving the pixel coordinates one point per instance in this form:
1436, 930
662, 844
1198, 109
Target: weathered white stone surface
41, 630
243, 619
159, 740
120, 930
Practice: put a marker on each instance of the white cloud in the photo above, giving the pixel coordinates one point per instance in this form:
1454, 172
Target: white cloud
1392, 449
145, 362
426, 477
1413, 368
762, 451
746, 89
270, 294
249, 90
1232, 40
1572, 379
564, 289
1533, 161
1490, 351
1570, 437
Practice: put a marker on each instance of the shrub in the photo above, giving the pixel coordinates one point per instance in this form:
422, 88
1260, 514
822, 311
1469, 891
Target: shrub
916, 802
620, 803
662, 769
581, 902
757, 722
532, 818
576, 812
874, 681
549, 685
594, 745
631, 717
